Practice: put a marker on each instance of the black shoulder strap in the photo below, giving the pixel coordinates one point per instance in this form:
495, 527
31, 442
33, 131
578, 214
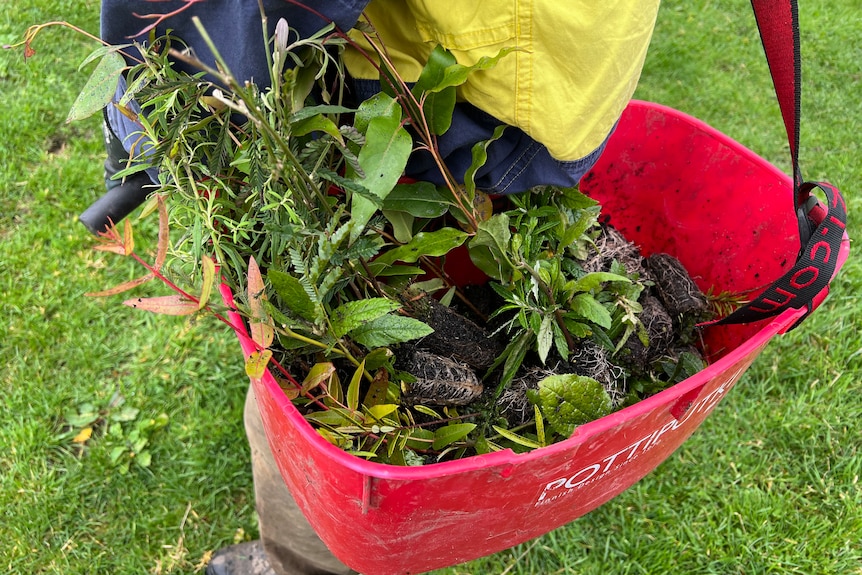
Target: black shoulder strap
821, 228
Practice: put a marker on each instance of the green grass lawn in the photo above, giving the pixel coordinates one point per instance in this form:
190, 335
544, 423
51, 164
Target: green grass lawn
768, 485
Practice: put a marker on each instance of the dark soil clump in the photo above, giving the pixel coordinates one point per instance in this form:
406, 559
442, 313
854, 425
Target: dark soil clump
454, 335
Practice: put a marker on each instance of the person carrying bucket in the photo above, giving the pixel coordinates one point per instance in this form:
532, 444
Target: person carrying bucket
562, 92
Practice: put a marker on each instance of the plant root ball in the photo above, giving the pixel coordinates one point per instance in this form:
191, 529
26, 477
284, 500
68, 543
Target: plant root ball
610, 246
454, 335
592, 360
513, 403
660, 335
440, 381
681, 297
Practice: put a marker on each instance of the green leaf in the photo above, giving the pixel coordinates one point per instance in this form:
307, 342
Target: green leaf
593, 280
316, 124
479, 154
144, 459
421, 199
437, 243
292, 294
382, 159
514, 437
319, 373
569, 400
439, 103
99, 89
388, 330
125, 414
378, 412
402, 225
451, 433
488, 248
353, 388
351, 315
589, 307
545, 337
458, 74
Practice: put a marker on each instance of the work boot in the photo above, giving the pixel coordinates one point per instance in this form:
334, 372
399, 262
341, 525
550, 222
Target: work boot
121, 196
242, 559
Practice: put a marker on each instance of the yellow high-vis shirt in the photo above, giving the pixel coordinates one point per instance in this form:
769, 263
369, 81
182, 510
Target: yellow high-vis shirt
576, 65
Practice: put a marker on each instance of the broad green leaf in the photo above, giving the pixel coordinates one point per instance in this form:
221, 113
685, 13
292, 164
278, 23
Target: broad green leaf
445, 436
382, 159
421, 199
438, 105
144, 459
586, 306
101, 52
432, 244
569, 400
351, 315
165, 305
99, 89
389, 330
488, 248
292, 294
420, 438
333, 417
402, 225
316, 124
458, 74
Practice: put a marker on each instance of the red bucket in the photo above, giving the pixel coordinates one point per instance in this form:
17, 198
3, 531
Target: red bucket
671, 184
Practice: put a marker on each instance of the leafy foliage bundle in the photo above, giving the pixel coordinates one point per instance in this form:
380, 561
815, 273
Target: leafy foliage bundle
294, 199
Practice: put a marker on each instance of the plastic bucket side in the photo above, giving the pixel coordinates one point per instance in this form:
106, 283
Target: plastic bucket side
680, 196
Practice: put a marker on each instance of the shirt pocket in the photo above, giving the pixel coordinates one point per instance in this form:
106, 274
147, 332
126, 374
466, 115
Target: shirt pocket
465, 26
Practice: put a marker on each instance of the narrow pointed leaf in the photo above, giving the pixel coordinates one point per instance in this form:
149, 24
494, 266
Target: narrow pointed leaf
164, 233
128, 238
448, 435
515, 438
261, 329
165, 305
353, 388
208, 266
123, 287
